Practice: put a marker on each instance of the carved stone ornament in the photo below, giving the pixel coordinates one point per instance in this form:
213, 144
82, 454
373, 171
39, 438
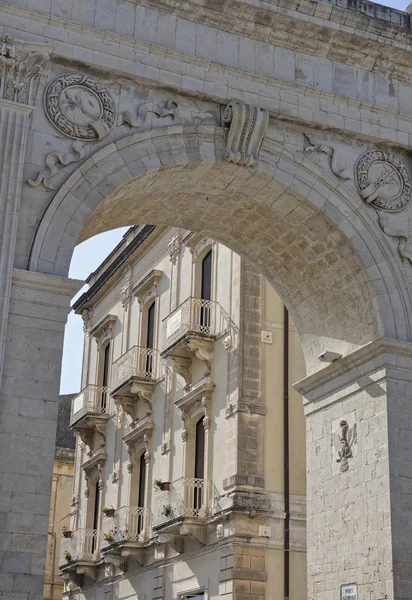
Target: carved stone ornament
248, 126
54, 162
160, 110
79, 107
343, 443
174, 247
397, 226
87, 316
383, 181
21, 67
341, 172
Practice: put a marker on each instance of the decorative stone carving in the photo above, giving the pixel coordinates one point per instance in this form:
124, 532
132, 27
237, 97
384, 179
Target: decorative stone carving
174, 247
398, 227
342, 173
79, 107
126, 292
148, 288
383, 181
343, 443
87, 316
203, 350
54, 161
21, 67
248, 126
160, 110
182, 366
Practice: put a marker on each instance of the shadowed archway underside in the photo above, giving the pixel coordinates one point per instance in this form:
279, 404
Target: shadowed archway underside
302, 229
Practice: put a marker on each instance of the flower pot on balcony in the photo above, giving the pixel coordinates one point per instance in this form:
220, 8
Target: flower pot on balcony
67, 533
109, 512
67, 557
166, 486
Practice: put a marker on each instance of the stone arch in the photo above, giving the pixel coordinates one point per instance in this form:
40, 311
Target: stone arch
303, 229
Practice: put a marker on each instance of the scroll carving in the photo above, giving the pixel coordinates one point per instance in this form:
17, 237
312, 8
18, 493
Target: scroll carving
342, 173
168, 109
248, 126
54, 162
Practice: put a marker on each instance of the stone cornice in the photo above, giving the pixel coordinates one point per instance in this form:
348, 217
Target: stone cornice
344, 365
46, 283
378, 44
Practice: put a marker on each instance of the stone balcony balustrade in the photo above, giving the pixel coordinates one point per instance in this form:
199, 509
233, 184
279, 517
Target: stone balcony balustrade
130, 530
190, 330
183, 509
133, 378
90, 411
78, 556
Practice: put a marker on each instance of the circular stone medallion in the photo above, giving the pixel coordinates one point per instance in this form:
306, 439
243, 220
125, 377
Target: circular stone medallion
79, 107
383, 181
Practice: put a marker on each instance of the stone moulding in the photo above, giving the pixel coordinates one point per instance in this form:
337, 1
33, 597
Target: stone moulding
247, 128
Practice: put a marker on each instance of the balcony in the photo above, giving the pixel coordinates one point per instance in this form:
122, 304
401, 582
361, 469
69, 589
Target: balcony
183, 508
90, 411
78, 555
133, 378
191, 330
129, 530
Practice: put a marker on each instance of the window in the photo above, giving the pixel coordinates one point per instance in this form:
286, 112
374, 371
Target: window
199, 462
96, 514
150, 335
206, 289
142, 491
105, 374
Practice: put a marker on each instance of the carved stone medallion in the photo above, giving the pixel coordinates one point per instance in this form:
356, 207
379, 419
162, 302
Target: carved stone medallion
383, 181
79, 107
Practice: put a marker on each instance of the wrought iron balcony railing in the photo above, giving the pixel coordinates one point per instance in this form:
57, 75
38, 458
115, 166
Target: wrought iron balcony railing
82, 545
128, 524
186, 498
137, 362
92, 400
194, 315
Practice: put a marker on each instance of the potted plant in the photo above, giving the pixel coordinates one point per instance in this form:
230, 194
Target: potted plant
66, 532
167, 510
108, 512
109, 536
67, 557
158, 484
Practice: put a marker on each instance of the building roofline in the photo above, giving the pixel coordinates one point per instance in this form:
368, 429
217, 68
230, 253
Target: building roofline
114, 266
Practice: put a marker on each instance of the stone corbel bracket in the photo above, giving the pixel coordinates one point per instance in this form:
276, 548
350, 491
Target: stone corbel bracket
247, 128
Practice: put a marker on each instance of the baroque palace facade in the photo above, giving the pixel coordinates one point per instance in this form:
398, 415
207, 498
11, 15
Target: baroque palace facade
166, 422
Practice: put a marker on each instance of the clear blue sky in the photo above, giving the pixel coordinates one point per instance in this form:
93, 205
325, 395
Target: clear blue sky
86, 258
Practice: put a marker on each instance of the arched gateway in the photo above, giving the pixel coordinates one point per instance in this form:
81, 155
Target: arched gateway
313, 187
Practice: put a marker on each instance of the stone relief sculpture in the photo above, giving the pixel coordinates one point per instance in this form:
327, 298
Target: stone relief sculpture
343, 443
247, 128
54, 162
79, 107
168, 109
21, 67
342, 173
384, 183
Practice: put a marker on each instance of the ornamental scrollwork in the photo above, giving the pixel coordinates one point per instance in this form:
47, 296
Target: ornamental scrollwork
79, 107
247, 128
341, 172
54, 162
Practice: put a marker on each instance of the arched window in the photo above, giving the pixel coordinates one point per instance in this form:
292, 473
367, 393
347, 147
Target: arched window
105, 374
142, 491
199, 471
206, 288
